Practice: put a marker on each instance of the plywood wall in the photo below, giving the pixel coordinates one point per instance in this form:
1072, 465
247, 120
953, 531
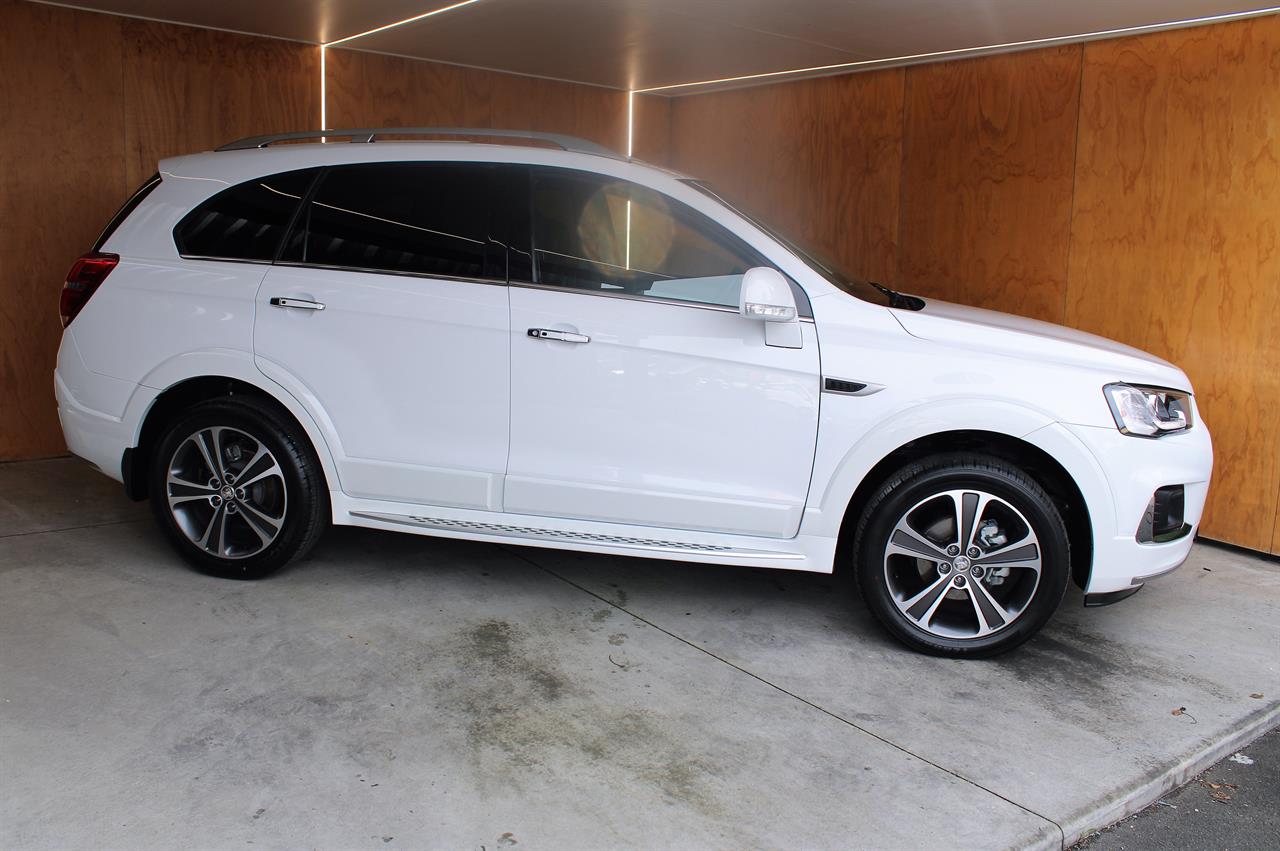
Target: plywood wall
1128, 187
987, 172
651, 122
376, 90
1275, 534
189, 89
819, 157
1176, 236
92, 102
61, 178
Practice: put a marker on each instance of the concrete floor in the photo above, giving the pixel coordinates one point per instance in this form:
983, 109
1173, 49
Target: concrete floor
398, 691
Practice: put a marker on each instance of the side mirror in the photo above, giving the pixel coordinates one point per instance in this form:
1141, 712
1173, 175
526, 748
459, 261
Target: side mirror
766, 296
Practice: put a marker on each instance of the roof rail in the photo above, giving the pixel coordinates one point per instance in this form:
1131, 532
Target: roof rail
369, 134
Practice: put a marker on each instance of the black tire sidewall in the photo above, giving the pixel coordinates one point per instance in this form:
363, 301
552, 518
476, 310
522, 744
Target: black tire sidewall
953, 474
302, 479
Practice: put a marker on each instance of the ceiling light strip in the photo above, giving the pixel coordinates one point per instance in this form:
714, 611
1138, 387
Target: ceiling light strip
324, 97
386, 27
969, 51
631, 123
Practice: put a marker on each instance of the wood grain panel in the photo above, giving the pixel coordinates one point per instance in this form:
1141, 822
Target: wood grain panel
1275, 532
988, 156
189, 90
373, 90
819, 159
531, 103
61, 178
1176, 237
651, 131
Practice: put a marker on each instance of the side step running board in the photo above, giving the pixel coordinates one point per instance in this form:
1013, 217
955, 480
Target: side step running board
534, 533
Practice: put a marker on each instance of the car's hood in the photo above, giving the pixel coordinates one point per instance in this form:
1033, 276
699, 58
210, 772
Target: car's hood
974, 328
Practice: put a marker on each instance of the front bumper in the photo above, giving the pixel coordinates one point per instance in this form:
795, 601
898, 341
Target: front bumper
1134, 468
1117, 476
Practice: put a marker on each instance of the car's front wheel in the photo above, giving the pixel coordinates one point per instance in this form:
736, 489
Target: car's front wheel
237, 489
962, 555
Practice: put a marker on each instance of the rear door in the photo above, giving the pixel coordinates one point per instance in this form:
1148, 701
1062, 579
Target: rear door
388, 310
639, 394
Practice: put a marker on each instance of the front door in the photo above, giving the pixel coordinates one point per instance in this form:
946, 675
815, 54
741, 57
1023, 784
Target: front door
639, 395
389, 309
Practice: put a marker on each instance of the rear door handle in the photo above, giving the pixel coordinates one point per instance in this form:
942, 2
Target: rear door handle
300, 303
562, 336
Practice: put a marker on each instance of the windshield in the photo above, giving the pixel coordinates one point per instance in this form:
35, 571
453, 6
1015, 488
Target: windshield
828, 269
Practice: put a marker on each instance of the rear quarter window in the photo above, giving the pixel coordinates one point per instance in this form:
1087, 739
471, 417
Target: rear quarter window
245, 222
124, 212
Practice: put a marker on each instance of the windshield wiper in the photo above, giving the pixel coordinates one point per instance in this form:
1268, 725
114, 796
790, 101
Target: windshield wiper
897, 299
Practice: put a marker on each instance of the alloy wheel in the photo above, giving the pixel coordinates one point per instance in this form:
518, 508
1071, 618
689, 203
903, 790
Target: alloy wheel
962, 564
226, 492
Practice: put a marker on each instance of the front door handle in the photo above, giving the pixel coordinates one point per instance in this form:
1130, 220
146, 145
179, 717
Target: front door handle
300, 303
562, 336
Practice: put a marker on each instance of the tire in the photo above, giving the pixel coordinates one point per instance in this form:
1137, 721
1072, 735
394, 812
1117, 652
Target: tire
976, 598
265, 507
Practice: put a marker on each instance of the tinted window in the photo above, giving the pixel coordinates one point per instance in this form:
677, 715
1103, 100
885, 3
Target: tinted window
598, 233
245, 222
419, 218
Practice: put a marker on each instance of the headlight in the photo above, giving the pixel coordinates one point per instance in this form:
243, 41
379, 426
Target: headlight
1148, 411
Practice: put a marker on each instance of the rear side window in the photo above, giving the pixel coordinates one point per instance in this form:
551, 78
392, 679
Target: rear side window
129, 206
409, 218
598, 233
245, 222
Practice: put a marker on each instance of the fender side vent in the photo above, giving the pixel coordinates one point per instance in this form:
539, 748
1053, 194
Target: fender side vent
839, 385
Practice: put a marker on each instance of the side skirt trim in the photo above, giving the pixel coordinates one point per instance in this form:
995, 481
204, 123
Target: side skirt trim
535, 533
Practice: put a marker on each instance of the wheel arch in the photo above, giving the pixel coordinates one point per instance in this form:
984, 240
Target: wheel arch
182, 394
1046, 470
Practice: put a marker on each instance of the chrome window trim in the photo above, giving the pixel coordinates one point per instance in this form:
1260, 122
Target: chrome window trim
458, 278
493, 282
529, 285
225, 259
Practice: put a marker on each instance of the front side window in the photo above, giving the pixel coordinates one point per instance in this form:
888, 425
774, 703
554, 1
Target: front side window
245, 222
410, 218
605, 235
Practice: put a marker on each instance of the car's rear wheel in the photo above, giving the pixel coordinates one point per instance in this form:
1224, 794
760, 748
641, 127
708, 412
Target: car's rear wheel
237, 489
962, 555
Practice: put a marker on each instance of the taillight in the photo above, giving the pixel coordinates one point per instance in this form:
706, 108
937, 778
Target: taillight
83, 280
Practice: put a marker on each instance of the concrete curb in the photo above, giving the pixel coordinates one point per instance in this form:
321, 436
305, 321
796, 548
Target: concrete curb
1124, 803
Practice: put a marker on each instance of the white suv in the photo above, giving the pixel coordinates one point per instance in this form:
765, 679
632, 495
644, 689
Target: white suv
560, 347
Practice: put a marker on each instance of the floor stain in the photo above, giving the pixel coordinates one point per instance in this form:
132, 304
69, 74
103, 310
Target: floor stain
521, 713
